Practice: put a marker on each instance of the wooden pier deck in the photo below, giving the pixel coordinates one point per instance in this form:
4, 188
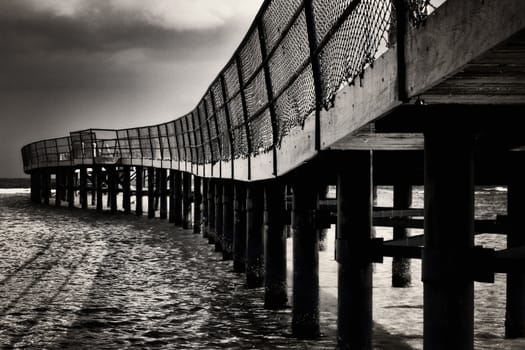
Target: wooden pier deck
348, 93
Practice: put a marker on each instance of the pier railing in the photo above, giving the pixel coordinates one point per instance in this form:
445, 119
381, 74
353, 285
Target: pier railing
292, 62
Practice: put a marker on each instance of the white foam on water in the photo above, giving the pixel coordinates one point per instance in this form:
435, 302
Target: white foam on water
14, 190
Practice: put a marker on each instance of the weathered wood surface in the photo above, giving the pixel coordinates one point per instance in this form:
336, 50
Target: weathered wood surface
466, 52
457, 34
357, 105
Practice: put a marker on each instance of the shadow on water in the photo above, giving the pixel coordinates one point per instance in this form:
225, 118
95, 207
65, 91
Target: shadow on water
382, 339
40, 312
35, 280
154, 285
30, 261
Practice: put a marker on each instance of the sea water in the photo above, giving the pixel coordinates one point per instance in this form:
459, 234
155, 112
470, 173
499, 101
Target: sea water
74, 279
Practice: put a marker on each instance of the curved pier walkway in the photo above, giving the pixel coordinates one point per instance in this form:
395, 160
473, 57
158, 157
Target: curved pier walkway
337, 96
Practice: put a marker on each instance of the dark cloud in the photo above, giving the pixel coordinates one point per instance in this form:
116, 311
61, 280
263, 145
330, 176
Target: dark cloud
100, 28
101, 66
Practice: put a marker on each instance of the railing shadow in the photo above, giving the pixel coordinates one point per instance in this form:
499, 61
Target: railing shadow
29, 261
39, 315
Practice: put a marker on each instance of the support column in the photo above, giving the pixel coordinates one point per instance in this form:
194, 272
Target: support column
71, 187
515, 307
44, 186
171, 214
83, 187
157, 188
305, 311
197, 201
239, 228
58, 184
108, 199
35, 186
151, 192
126, 189
353, 252
178, 198
211, 211
254, 236
323, 231
401, 266
163, 192
63, 184
204, 211
449, 227
112, 188
186, 201
227, 220
139, 182
93, 187
99, 177
218, 216
46, 191
275, 292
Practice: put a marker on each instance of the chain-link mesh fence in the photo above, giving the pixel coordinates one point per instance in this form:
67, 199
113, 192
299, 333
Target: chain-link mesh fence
293, 61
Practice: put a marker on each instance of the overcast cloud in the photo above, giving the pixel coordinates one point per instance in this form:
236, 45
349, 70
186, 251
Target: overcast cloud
75, 64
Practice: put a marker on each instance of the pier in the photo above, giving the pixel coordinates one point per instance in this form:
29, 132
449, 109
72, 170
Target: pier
352, 96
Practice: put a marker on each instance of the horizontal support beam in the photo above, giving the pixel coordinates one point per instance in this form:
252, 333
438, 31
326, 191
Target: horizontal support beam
413, 241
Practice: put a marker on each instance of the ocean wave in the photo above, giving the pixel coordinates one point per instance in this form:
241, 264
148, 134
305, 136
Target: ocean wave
14, 190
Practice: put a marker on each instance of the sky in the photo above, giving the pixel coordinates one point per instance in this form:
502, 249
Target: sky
69, 65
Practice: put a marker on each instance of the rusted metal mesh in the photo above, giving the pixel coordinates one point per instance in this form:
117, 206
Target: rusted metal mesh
353, 46
280, 75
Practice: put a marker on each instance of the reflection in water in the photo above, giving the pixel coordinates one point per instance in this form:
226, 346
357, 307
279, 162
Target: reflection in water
77, 279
